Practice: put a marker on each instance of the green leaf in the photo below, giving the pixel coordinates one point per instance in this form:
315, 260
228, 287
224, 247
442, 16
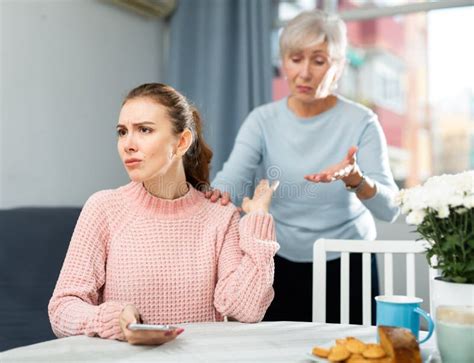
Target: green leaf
455, 240
470, 242
459, 279
470, 266
452, 243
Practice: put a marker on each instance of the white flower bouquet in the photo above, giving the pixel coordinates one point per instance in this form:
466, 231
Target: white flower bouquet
443, 211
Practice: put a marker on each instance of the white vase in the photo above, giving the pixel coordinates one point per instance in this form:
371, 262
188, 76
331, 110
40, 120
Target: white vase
453, 295
450, 293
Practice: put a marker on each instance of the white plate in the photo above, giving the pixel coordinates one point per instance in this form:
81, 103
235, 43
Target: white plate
313, 358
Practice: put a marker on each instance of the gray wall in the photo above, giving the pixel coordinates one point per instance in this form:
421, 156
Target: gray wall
65, 66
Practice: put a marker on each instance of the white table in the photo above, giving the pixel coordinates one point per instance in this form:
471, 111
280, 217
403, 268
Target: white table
203, 342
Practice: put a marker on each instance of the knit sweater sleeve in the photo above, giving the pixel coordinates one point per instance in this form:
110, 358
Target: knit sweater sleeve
246, 267
75, 307
373, 161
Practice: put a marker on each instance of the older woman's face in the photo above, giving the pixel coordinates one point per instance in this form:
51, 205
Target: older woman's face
305, 70
146, 141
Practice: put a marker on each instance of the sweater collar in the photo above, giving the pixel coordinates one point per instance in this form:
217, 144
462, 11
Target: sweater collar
184, 206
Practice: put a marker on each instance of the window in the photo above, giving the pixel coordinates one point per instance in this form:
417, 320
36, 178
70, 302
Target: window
420, 82
388, 85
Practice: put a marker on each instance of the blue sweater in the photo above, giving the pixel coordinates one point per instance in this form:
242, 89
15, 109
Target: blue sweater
276, 144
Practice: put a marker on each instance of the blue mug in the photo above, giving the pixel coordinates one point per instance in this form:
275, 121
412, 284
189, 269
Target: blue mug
403, 311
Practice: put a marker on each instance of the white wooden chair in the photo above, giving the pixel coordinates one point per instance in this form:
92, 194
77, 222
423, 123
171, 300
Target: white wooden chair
388, 248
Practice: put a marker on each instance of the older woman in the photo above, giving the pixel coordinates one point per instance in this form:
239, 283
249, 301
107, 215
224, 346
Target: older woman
155, 250
330, 156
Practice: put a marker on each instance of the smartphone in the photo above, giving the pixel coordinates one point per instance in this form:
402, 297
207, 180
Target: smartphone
136, 326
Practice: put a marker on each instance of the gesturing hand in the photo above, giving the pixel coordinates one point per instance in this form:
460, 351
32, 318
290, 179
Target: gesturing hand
347, 170
143, 337
262, 197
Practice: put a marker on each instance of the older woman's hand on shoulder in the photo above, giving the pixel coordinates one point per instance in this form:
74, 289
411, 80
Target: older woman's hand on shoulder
349, 172
215, 194
262, 197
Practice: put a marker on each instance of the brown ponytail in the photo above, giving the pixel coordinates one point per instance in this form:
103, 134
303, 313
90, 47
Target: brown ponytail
182, 115
198, 157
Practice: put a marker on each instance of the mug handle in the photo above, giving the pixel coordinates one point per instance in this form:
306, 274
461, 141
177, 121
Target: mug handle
427, 316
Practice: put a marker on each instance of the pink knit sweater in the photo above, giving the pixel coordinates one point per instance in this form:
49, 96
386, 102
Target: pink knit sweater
177, 261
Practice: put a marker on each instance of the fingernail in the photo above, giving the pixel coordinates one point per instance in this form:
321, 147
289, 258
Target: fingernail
179, 331
275, 185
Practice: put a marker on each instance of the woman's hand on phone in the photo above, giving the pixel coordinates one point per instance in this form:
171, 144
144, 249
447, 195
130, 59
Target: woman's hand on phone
129, 315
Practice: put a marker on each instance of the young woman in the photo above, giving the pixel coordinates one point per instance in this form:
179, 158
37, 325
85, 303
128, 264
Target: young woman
156, 250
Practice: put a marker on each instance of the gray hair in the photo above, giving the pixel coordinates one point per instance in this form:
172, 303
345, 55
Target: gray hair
314, 27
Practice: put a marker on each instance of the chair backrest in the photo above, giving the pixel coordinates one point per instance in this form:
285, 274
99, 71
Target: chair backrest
432, 274
388, 248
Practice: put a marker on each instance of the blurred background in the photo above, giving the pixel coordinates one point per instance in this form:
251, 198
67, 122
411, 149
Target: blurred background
66, 65
415, 71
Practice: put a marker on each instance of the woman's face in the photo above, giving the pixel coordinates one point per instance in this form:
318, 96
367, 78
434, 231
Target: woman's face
308, 72
146, 141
